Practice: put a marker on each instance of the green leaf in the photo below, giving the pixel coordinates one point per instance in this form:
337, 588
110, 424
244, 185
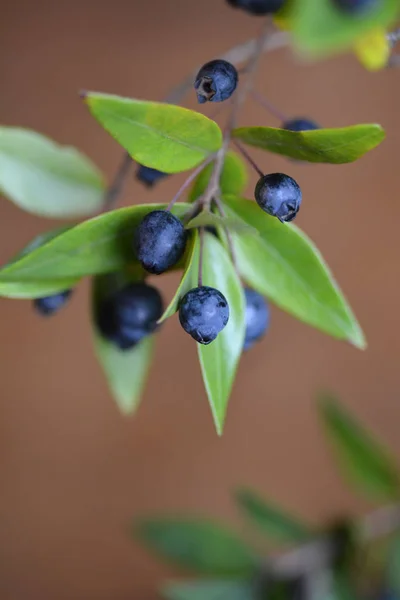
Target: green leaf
233, 179
334, 146
188, 278
209, 219
36, 289
318, 27
214, 589
219, 360
283, 264
201, 545
99, 245
162, 136
270, 520
45, 178
126, 371
364, 462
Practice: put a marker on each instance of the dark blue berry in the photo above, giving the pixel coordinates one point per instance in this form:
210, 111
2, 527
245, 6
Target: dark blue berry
160, 241
149, 176
256, 317
300, 124
129, 315
203, 313
278, 195
216, 81
355, 7
258, 7
51, 304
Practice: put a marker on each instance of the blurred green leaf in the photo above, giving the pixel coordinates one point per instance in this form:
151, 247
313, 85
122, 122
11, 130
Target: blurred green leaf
125, 370
219, 360
209, 219
214, 589
189, 276
335, 146
45, 178
161, 136
99, 245
393, 569
200, 545
364, 462
319, 27
283, 264
270, 520
233, 178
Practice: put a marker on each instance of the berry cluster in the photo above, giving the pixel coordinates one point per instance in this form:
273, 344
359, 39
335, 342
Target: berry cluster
132, 312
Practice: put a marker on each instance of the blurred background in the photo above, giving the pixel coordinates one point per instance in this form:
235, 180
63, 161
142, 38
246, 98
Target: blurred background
73, 472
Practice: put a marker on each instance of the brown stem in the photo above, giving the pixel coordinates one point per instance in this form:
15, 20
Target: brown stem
117, 184
265, 103
247, 156
189, 180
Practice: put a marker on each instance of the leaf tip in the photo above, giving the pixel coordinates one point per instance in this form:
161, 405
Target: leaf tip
358, 339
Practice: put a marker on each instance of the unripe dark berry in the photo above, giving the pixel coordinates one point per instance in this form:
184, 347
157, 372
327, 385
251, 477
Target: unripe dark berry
203, 313
51, 304
278, 195
256, 317
160, 241
300, 124
129, 315
355, 7
149, 176
258, 7
216, 81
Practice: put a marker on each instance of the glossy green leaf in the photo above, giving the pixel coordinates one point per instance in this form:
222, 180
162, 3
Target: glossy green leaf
200, 545
271, 520
214, 589
45, 178
364, 462
319, 27
99, 245
219, 360
233, 179
126, 371
334, 146
283, 264
188, 278
162, 136
209, 219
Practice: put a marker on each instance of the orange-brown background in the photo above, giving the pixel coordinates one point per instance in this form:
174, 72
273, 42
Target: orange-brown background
72, 471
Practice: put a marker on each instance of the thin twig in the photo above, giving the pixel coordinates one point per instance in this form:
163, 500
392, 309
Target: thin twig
247, 156
238, 100
117, 184
265, 103
201, 256
189, 180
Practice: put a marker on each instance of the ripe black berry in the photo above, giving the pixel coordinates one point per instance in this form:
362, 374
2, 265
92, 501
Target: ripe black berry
129, 315
160, 241
256, 317
278, 195
51, 304
149, 176
258, 7
203, 313
355, 7
300, 124
216, 81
